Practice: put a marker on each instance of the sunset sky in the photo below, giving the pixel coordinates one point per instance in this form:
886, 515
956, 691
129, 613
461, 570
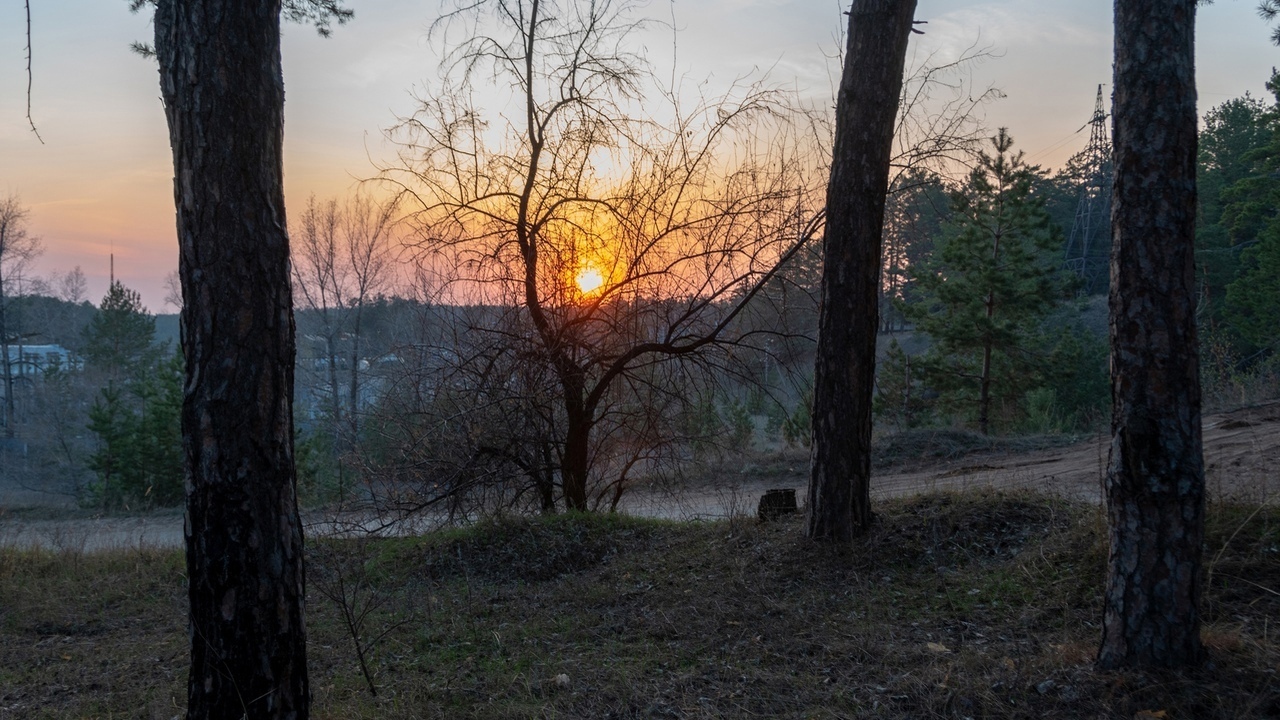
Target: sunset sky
101, 182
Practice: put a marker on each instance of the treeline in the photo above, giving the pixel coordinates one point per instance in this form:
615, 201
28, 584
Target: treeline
1238, 244
1007, 337
986, 322
95, 402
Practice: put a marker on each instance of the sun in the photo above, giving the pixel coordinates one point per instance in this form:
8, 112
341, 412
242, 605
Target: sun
589, 280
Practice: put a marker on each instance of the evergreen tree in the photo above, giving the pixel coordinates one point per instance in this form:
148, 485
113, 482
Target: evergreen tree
109, 420
898, 399
139, 455
136, 415
121, 334
914, 211
985, 291
1229, 142
1253, 299
839, 496
1251, 211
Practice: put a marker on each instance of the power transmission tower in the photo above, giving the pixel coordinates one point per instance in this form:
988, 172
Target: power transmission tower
1089, 245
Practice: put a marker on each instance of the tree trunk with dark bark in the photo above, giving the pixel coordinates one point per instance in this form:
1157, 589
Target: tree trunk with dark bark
839, 487
576, 463
224, 100
1155, 477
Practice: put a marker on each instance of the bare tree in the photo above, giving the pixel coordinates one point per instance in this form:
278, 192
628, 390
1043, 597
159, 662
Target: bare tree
18, 249
342, 261
866, 110
612, 235
320, 282
1155, 476
173, 291
939, 128
366, 233
71, 286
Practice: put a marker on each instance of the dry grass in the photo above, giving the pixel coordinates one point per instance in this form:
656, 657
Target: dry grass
976, 605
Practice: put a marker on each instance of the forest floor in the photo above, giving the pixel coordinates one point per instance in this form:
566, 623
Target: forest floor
978, 603
1241, 446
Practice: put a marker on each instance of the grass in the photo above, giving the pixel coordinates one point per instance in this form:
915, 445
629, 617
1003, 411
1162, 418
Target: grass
977, 604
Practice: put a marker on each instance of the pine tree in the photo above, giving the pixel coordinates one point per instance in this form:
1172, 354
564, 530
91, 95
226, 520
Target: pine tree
1253, 297
121, 334
111, 421
985, 291
1229, 140
138, 461
136, 415
839, 497
1154, 485
221, 80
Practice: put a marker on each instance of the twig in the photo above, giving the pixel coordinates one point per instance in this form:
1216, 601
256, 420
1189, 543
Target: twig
29, 120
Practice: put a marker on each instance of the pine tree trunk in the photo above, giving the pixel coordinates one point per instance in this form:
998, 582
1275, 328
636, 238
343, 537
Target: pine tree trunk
1155, 476
224, 99
839, 484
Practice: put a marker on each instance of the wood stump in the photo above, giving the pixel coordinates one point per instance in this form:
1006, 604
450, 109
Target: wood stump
775, 503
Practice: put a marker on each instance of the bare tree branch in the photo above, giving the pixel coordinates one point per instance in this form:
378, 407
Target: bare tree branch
32, 123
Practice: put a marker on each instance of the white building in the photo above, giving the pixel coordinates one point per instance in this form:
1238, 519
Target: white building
31, 360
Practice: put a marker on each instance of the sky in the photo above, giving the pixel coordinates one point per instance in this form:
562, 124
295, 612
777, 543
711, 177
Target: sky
101, 183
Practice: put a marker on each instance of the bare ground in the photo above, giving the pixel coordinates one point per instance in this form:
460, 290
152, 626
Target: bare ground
1242, 456
981, 604
1241, 448
1242, 461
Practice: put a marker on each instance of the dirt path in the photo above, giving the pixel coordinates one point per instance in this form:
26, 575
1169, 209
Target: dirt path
1241, 448
1242, 455
1242, 461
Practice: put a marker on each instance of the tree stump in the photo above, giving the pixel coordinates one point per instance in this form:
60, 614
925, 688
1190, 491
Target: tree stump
775, 503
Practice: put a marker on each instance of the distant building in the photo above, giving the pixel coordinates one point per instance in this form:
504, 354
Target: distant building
33, 360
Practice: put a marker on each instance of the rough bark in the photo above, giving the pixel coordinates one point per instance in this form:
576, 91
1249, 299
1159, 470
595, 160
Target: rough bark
1155, 476
224, 100
839, 487
576, 462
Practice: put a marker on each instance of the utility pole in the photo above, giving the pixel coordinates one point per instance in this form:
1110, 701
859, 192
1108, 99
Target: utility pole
1089, 245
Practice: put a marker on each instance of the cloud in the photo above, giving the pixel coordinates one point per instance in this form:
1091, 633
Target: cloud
1045, 26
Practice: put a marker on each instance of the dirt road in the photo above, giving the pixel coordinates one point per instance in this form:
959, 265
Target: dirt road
1241, 448
1242, 461
1242, 455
